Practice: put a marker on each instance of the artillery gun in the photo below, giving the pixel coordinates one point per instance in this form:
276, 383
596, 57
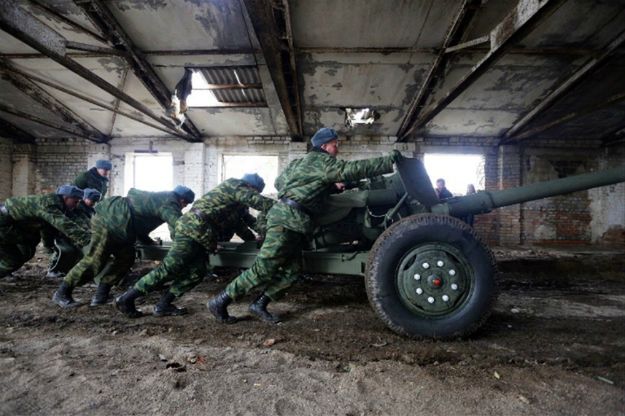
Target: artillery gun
427, 273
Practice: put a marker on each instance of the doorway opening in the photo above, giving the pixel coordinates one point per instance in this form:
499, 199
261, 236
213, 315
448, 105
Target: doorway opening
152, 172
458, 171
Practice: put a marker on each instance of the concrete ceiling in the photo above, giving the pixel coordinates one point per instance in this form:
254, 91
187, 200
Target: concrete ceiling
557, 78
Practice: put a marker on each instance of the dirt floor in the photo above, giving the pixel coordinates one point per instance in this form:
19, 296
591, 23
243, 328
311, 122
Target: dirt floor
555, 344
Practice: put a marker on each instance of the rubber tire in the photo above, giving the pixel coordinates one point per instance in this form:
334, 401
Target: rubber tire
386, 255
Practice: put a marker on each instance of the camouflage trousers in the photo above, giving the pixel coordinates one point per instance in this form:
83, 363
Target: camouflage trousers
14, 255
184, 264
97, 264
277, 265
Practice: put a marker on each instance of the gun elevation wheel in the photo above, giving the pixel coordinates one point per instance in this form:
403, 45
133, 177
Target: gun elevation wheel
430, 276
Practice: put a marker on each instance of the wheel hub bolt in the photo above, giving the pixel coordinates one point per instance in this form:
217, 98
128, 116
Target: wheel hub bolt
452, 272
440, 263
445, 298
431, 299
454, 286
417, 276
426, 265
419, 291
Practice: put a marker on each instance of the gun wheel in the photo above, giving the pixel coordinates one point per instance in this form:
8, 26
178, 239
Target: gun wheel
430, 276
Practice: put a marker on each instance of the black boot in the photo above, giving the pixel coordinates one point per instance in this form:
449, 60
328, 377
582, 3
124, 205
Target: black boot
258, 308
126, 303
101, 296
164, 307
218, 306
63, 296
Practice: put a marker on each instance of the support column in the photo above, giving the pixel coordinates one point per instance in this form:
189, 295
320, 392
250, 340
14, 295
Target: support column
510, 218
24, 170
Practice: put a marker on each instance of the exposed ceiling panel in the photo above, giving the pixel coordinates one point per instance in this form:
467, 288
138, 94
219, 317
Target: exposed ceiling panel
182, 25
371, 23
348, 53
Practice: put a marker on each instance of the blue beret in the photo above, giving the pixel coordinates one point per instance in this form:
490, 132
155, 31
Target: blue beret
70, 191
92, 194
185, 193
323, 136
254, 180
103, 164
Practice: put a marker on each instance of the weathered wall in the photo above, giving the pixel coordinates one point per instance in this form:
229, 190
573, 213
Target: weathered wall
596, 216
59, 161
6, 168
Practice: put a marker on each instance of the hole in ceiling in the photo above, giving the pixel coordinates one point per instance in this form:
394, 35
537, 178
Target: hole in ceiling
357, 116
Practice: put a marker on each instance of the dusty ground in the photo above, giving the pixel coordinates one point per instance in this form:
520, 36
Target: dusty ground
554, 345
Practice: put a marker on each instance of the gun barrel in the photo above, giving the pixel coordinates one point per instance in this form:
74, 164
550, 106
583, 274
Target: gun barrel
483, 202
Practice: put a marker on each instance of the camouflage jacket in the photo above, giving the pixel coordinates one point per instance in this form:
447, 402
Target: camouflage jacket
82, 214
137, 214
310, 180
30, 214
92, 179
201, 222
238, 221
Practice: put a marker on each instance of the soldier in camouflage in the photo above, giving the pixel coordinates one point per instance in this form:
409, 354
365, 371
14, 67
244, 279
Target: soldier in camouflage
196, 236
302, 188
239, 221
117, 224
71, 254
96, 177
23, 217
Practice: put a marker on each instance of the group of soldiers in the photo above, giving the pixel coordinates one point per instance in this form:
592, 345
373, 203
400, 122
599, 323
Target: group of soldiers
105, 235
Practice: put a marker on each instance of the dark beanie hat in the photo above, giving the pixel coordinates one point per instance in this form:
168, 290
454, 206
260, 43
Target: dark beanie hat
323, 136
103, 164
70, 191
254, 180
92, 194
185, 193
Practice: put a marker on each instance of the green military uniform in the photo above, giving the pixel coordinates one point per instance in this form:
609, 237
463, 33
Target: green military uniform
92, 179
61, 263
21, 221
196, 235
118, 222
239, 221
302, 187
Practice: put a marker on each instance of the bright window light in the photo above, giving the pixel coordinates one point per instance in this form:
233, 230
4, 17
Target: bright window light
458, 170
235, 166
201, 96
150, 172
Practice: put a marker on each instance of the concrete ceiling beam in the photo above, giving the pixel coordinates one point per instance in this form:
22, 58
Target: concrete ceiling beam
454, 34
47, 123
24, 26
11, 131
40, 95
522, 20
279, 53
103, 19
611, 100
589, 67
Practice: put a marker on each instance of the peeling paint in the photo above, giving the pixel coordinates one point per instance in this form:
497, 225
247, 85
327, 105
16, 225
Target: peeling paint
112, 64
124, 5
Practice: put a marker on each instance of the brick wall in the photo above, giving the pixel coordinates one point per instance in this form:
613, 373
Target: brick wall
6, 168
596, 216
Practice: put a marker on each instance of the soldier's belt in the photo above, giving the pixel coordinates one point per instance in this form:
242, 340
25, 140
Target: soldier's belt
295, 205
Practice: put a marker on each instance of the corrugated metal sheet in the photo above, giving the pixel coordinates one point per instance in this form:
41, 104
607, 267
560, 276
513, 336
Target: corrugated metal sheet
236, 75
